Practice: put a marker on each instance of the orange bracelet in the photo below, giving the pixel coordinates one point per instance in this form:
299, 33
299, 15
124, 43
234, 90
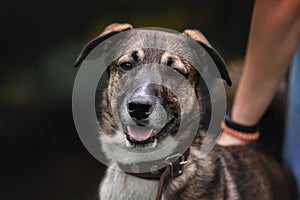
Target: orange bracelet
242, 135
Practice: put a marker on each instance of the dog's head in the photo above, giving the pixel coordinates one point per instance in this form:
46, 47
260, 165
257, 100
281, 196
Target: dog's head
149, 92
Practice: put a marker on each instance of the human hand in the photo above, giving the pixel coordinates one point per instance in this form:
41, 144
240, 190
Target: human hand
226, 139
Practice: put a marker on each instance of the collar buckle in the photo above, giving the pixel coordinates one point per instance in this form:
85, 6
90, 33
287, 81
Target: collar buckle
174, 158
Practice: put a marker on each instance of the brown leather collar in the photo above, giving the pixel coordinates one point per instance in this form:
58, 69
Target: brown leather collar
158, 170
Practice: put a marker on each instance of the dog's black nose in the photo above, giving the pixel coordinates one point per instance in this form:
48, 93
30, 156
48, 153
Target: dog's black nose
140, 108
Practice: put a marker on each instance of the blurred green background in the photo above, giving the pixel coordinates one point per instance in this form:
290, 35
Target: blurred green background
41, 154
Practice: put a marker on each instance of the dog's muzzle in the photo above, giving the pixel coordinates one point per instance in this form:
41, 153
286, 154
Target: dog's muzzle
146, 118
139, 107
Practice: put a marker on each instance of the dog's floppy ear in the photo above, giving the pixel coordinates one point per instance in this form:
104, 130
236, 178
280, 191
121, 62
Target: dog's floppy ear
106, 33
218, 60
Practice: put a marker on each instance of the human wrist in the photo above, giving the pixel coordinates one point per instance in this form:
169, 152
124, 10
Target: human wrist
234, 133
243, 117
240, 125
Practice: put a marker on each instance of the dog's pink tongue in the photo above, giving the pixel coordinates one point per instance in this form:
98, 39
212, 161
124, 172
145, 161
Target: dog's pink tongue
139, 133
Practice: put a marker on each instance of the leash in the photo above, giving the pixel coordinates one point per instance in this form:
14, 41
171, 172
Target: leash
174, 168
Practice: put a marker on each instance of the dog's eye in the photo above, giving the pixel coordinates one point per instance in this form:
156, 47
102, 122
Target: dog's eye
125, 66
171, 63
180, 71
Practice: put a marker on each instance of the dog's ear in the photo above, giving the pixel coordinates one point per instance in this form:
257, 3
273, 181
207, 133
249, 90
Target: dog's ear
106, 33
218, 60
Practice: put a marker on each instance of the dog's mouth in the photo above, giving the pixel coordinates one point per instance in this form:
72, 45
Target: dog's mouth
142, 136
139, 134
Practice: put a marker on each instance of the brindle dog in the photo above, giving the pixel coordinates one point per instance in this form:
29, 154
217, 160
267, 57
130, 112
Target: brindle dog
141, 116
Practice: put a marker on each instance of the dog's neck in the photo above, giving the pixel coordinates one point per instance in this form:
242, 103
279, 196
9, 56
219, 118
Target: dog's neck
153, 169
174, 168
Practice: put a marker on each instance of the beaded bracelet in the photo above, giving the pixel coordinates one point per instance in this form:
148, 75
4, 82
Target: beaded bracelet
249, 133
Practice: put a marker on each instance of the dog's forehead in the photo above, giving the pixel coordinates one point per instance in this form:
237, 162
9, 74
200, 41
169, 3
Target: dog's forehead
149, 38
158, 38
153, 39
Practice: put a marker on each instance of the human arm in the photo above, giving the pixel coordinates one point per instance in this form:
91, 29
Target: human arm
273, 38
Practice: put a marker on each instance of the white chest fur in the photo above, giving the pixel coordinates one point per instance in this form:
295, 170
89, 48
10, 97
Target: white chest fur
121, 186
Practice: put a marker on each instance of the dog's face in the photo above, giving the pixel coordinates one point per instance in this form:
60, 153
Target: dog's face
149, 92
146, 112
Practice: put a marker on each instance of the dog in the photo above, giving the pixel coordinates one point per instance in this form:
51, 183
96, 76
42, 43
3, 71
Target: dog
139, 116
